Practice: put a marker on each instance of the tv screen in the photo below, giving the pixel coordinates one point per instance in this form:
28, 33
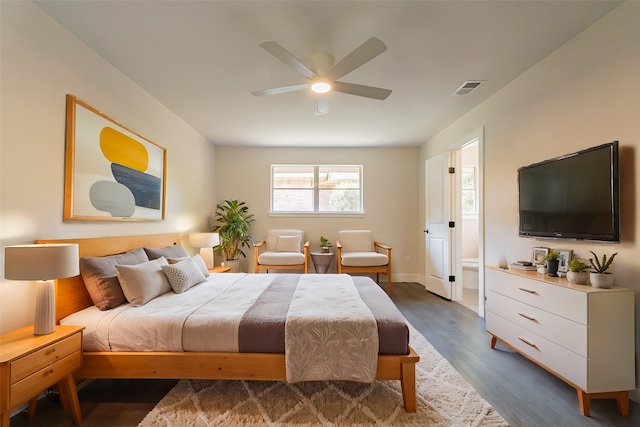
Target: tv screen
572, 197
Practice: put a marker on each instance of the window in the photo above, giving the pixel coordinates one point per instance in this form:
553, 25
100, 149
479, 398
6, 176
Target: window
316, 189
469, 193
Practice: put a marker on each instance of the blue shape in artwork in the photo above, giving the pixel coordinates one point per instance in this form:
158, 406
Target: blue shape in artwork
109, 196
146, 189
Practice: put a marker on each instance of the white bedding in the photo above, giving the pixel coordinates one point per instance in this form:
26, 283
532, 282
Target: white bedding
214, 305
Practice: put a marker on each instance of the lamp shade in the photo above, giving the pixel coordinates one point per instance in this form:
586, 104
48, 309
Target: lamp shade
204, 240
41, 262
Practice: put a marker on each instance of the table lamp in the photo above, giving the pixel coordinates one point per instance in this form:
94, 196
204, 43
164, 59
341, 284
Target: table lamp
206, 243
44, 263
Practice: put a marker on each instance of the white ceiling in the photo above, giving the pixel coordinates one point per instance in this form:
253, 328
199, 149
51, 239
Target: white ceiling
202, 60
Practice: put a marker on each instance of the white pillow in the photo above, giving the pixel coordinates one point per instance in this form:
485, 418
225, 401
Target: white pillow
288, 244
143, 282
183, 275
197, 259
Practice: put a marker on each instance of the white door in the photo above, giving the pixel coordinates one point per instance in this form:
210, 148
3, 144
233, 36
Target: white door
438, 234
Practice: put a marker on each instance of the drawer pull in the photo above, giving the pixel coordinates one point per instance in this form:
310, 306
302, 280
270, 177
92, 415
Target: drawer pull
529, 291
527, 342
526, 316
53, 350
51, 371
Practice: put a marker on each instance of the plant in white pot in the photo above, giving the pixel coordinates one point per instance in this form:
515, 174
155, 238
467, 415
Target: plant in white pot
578, 273
599, 276
232, 222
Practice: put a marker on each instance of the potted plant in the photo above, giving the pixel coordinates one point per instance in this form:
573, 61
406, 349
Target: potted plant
599, 276
578, 273
553, 261
541, 265
232, 222
325, 244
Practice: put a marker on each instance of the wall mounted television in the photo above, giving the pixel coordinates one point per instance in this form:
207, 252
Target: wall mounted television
576, 196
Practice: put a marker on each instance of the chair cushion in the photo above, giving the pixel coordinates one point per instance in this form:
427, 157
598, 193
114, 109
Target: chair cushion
281, 258
272, 237
364, 259
288, 243
356, 240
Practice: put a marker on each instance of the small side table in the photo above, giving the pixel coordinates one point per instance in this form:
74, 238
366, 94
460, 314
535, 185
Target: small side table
31, 363
322, 261
220, 269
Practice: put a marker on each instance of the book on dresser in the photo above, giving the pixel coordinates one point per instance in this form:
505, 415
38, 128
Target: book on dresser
582, 334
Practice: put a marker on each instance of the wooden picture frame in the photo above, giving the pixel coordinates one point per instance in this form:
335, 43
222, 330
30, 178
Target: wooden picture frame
565, 259
111, 172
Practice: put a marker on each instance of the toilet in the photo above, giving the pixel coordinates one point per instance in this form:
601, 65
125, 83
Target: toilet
470, 273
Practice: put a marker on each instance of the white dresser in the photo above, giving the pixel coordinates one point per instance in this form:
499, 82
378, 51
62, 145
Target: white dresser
583, 335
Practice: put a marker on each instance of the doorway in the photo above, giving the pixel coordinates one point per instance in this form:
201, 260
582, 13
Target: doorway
468, 220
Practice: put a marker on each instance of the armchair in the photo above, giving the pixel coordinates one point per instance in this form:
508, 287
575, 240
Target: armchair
358, 252
281, 250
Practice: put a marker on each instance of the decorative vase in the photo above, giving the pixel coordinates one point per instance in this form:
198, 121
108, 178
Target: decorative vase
601, 280
578, 277
325, 249
542, 269
552, 267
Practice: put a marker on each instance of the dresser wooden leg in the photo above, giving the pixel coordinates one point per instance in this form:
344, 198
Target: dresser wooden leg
4, 418
585, 403
494, 341
623, 403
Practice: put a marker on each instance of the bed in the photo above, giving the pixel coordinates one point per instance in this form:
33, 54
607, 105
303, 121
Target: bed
73, 297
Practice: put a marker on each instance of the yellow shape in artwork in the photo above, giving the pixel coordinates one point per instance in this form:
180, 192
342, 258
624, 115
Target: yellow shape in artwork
119, 148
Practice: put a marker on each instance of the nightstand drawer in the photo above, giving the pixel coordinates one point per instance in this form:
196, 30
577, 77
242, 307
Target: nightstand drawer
24, 389
44, 357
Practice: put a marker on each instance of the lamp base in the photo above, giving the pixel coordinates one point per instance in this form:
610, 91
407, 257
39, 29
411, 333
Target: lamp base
45, 320
207, 255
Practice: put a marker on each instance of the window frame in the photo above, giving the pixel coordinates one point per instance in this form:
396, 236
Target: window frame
316, 191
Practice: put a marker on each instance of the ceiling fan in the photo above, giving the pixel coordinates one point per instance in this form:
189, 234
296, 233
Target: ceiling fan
323, 74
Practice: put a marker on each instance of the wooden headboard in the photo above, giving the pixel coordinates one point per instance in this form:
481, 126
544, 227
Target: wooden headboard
71, 294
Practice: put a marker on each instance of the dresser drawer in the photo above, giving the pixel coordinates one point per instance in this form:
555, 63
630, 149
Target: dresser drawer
561, 361
567, 303
23, 390
44, 357
564, 332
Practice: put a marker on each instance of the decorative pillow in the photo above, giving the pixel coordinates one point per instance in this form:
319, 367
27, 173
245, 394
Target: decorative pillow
197, 259
183, 275
143, 282
288, 244
172, 251
101, 280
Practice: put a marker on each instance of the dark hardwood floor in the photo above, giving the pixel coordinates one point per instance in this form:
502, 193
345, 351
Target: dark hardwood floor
523, 393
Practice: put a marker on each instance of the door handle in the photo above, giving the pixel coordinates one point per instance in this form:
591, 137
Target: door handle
426, 231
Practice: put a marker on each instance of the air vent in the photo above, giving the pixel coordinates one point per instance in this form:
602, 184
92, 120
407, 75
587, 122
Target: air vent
468, 87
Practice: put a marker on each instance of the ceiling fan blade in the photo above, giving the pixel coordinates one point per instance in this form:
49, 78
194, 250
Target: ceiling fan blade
279, 90
321, 106
361, 55
361, 90
283, 55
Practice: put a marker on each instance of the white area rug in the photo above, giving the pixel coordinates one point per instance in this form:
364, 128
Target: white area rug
444, 399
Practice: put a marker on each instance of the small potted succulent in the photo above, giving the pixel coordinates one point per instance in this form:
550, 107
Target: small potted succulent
325, 244
599, 276
553, 262
578, 273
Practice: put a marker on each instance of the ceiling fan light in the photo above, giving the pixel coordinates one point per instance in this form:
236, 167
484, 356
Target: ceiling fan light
321, 87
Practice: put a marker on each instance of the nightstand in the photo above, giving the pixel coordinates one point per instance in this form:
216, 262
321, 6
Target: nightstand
220, 269
31, 363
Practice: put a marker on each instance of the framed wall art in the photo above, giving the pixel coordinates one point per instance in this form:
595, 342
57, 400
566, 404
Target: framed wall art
111, 172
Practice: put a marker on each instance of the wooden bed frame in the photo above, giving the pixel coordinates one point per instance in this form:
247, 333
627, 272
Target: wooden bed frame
72, 296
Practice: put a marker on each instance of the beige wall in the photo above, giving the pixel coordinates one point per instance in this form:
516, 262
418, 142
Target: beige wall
584, 94
41, 63
390, 187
